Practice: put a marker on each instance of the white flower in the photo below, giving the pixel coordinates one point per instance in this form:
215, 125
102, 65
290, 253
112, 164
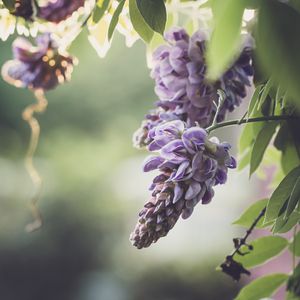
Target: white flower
7, 24
98, 36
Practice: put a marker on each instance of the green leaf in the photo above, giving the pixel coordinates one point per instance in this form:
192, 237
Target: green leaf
246, 138
254, 100
281, 194
251, 213
294, 199
264, 249
260, 145
283, 225
295, 245
225, 40
251, 130
244, 161
154, 13
293, 284
138, 22
262, 287
277, 31
290, 158
100, 9
265, 92
115, 19
295, 4
9, 4
288, 142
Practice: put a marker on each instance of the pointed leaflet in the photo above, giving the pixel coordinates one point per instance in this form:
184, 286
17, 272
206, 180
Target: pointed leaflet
265, 92
281, 195
277, 29
264, 249
9, 4
254, 100
260, 145
251, 213
284, 225
225, 40
244, 160
295, 245
262, 287
138, 22
115, 19
154, 13
101, 7
251, 130
288, 142
293, 285
294, 199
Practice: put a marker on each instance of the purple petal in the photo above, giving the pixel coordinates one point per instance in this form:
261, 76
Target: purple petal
207, 197
194, 139
181, 170
153, 146
152, 162
186, 213
193, 190
178, 192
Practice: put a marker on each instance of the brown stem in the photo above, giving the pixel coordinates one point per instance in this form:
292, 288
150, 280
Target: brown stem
28, 116
248, 232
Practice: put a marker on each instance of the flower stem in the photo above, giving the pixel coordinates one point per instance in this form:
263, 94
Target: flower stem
28, 116
249, 231
250, 120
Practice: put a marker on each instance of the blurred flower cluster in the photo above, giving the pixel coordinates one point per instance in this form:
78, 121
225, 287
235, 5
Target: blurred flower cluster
47, 64
37, 67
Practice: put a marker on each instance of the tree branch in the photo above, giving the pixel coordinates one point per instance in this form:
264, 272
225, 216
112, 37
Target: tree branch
232, 267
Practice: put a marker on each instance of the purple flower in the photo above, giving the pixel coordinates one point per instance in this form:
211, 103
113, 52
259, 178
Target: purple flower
189, 165
143, 136
179, 72
37, 67
234, 82
165, 133
24, 9
58, 10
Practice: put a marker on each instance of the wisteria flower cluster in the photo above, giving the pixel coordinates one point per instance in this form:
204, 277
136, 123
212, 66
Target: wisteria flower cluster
38, 67
44, 65
181, 85
189, 165
51, 11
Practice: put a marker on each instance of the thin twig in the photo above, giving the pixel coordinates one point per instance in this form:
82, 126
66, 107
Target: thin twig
251, 120
243, 241
221, 99
28, 116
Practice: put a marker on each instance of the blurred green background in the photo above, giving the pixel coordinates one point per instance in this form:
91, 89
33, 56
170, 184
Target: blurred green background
93, 190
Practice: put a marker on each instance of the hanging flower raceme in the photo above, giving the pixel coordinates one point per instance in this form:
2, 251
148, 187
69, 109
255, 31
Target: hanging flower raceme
189, 165
179, 73
37, 67
59, 10
180, 79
